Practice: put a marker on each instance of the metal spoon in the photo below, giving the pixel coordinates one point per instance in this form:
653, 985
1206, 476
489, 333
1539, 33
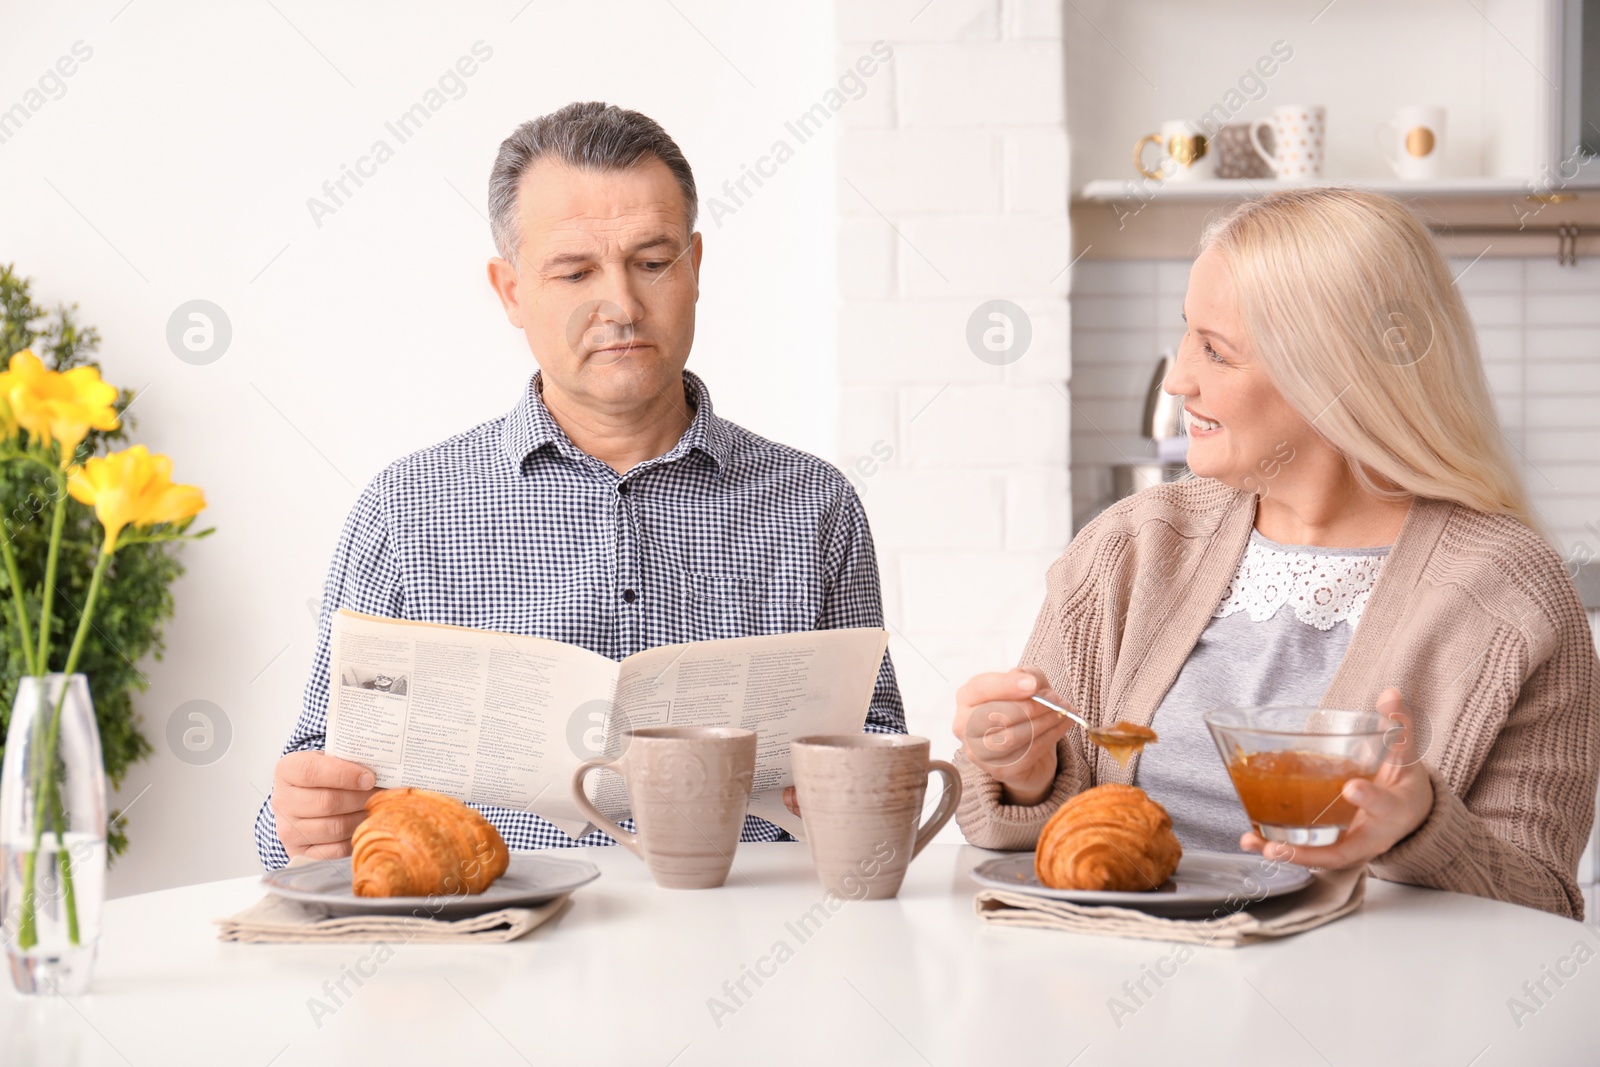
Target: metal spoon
1122, 743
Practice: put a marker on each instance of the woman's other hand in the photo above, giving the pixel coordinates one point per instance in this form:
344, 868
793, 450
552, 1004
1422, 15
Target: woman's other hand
1394, 803
1012, 738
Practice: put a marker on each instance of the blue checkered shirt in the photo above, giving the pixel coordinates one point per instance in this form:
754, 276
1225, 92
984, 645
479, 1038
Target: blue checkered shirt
510, 527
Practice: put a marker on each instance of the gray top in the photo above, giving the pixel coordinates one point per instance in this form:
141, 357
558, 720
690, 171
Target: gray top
1265, 645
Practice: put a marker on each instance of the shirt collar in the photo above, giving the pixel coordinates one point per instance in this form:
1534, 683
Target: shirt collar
530, 426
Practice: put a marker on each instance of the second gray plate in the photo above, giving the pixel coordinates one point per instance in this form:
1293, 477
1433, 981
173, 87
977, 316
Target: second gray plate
1205, 882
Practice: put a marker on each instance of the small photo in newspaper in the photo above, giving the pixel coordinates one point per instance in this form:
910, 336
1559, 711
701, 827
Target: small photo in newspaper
390, 680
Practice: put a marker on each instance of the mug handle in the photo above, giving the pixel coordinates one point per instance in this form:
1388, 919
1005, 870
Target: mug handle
1255, 142
948, 799
623, 837
1138, 156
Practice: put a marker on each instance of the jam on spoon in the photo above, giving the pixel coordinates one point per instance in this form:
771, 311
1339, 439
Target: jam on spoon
1123, 740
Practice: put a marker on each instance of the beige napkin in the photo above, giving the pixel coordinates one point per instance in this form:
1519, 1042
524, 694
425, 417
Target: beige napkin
275, 918
1331, 895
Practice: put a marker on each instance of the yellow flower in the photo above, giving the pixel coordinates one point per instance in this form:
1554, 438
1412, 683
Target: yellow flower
132, 487
56, 406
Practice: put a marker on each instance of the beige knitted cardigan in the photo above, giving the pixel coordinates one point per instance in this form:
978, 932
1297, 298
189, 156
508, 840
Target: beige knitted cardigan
1473, 618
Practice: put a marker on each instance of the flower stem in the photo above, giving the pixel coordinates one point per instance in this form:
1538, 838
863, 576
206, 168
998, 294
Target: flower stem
83, 622
26, 934
41, 662
18, 607
64, 857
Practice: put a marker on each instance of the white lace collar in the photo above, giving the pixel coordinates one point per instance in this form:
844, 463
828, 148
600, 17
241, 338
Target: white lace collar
1325, 586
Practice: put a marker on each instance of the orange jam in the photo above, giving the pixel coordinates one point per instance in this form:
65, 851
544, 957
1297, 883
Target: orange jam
1123, 740
1295, 788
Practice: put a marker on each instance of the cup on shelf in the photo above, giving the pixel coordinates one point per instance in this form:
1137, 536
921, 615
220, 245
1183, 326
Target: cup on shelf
860, 798
1236, 155
1186, 155
1298, 132
688, 788
1410, 141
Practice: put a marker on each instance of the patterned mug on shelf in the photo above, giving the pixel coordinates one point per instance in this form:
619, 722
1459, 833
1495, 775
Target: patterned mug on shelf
1298, 131
1236, 155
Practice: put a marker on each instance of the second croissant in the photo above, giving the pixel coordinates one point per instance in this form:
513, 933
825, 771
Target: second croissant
1112, 837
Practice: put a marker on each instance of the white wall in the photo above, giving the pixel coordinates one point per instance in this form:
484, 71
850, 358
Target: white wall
177, 165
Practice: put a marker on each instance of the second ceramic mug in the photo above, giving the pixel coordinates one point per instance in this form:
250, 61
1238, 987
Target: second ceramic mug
860, 796
689, 789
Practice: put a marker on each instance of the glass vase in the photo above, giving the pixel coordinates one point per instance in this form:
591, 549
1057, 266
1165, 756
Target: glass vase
52, 836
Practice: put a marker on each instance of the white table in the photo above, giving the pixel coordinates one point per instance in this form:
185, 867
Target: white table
624, 975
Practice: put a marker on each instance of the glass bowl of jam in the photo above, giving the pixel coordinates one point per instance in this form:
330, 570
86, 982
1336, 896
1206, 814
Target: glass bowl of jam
1289, 764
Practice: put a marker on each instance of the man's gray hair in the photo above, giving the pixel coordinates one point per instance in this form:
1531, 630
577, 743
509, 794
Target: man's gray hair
589, 135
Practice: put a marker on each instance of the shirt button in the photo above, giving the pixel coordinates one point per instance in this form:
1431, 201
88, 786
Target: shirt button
622, 488
629, 595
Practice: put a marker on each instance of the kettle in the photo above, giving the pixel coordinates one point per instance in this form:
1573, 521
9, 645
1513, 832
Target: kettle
1163, 415
1163, 423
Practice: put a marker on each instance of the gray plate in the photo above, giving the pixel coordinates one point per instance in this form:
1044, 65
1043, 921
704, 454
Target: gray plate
1204, 883
532, 878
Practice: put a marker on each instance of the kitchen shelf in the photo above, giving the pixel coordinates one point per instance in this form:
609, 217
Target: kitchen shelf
1471, 216
1220, 190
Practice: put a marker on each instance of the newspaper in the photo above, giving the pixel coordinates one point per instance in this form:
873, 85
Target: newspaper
506, 719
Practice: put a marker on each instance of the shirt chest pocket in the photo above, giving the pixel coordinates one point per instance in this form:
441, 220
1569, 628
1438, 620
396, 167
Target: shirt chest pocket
720, 606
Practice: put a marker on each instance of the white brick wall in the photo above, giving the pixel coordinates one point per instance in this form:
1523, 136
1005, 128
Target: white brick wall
953, 192
1004, 83
920, 170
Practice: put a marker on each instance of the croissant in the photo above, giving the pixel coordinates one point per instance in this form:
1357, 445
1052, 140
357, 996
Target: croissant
416, 843
1112, 837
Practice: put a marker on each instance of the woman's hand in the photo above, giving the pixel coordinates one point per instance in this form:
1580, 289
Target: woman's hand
1012, 738
1389, 807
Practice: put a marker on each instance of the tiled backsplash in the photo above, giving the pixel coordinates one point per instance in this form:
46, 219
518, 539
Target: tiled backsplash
1539, 332
1538, 328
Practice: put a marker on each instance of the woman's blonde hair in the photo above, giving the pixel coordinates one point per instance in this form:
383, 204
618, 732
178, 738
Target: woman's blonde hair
1350, 307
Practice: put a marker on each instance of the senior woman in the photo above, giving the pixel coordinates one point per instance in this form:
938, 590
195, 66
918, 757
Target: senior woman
1355, 536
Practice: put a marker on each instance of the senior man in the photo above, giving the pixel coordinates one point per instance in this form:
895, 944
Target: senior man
610, 508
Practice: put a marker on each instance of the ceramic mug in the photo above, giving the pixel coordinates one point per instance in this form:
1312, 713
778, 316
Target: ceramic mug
1298, 131
1186, 155
688, 789
860, 797
1236, 155
1410, 141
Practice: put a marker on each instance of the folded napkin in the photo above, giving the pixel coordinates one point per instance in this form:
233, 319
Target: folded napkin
1331, 895
275, 918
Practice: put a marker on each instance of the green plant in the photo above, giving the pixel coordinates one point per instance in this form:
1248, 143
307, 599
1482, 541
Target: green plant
135, 599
